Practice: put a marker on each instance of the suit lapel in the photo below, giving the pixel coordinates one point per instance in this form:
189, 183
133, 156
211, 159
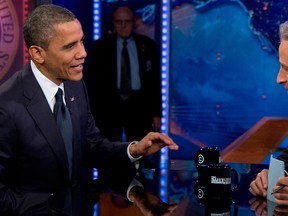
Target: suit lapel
41, 113
140, 53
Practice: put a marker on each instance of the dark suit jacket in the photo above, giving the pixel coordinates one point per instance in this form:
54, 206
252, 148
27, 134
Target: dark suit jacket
33, 162
102, 82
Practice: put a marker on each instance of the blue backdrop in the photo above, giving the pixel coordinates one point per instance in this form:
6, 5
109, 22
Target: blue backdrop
224, 63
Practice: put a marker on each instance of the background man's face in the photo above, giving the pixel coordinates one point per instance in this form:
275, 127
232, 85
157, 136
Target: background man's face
123, 22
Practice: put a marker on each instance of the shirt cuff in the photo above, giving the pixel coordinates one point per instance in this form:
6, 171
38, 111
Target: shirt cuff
134, 183
132, 159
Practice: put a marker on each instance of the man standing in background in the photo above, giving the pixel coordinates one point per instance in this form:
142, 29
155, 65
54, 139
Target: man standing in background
128, 88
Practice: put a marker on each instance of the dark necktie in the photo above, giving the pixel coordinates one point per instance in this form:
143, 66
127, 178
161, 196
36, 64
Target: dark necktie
63, 119
125, 84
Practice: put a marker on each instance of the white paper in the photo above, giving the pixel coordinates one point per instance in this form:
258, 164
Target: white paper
270, 208
276, 170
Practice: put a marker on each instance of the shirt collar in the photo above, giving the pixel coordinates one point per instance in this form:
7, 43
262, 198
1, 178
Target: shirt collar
48, 87
121, 40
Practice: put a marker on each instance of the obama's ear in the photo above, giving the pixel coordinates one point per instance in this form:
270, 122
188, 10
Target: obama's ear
37, 53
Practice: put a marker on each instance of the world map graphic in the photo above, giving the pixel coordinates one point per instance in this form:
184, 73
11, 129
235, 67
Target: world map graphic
224, 62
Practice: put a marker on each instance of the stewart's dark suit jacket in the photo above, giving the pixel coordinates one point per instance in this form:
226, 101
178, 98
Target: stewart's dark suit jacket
33, 161
101, 82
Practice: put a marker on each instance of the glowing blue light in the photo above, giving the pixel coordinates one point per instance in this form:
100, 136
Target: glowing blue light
96, 35
165, 96
96, 4
164, 82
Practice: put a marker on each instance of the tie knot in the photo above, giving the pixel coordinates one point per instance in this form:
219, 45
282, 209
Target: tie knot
59, 95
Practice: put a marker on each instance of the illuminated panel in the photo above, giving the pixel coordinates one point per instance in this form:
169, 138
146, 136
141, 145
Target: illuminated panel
96, 35
96, 19
96, 206
165, 97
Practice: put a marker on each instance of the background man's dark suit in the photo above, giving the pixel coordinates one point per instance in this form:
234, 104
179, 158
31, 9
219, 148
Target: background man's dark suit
40, 168
102, 87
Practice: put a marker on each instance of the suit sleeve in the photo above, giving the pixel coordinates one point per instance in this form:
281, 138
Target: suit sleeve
149, 63
156, 94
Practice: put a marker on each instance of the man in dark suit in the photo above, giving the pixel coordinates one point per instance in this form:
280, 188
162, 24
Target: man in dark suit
37, 174
141, 111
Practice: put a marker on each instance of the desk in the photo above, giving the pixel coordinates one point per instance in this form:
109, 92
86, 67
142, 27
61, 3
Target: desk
181, 182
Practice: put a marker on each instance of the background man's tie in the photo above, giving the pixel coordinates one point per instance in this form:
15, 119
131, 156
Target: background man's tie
125, 84
63, 119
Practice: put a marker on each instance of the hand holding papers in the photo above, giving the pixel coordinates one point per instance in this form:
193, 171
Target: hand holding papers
276, 170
